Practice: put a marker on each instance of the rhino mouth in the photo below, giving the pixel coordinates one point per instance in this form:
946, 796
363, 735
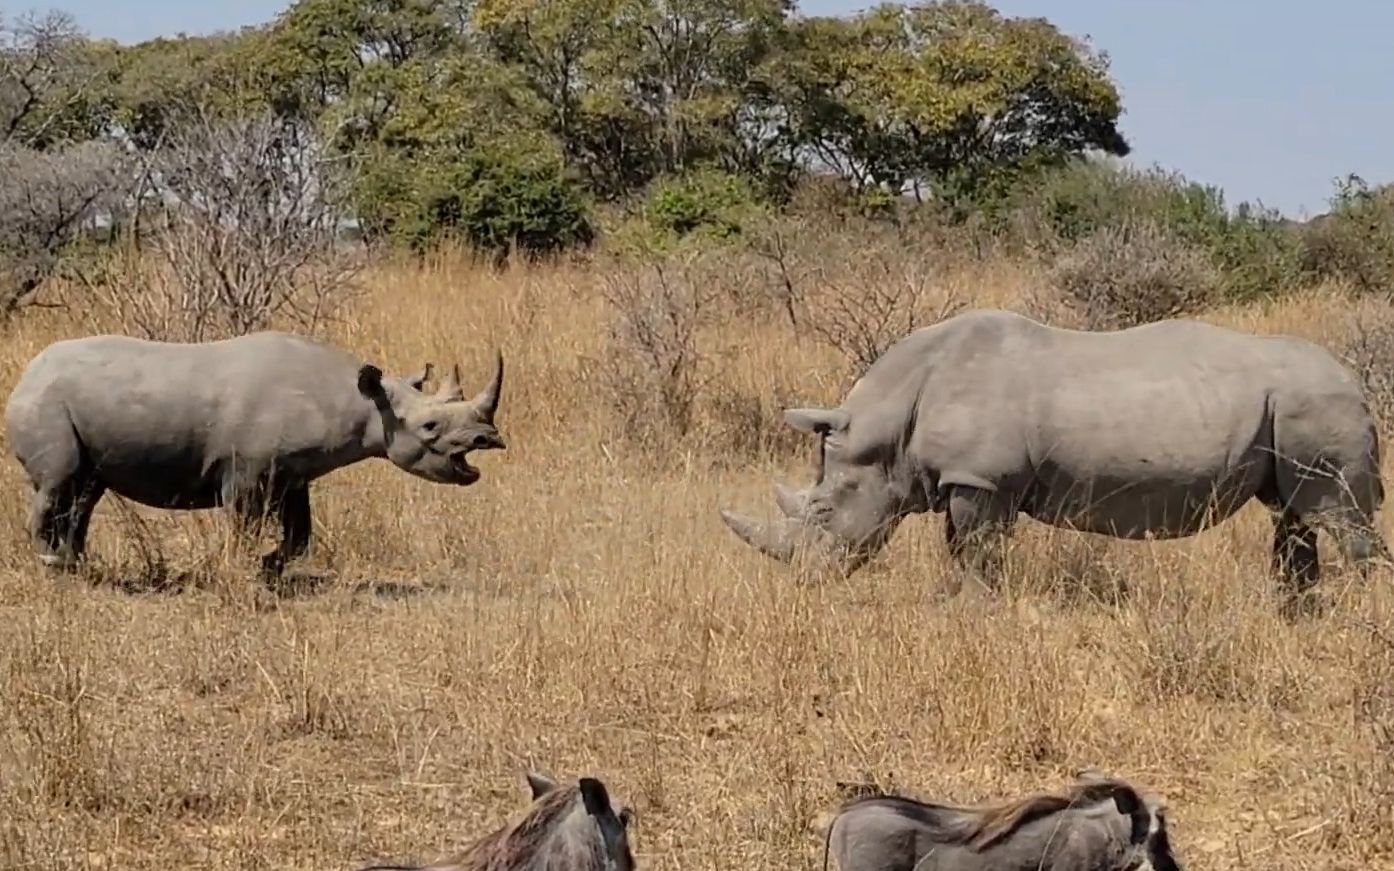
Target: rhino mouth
466, 473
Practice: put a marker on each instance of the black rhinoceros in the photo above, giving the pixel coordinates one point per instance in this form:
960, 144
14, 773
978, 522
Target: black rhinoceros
1160, 430
246, 422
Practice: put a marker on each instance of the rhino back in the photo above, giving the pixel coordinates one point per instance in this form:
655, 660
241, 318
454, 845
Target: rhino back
180, 412
1169, 398
1178, 400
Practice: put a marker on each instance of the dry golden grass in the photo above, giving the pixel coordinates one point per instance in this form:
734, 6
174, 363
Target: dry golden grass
582, 609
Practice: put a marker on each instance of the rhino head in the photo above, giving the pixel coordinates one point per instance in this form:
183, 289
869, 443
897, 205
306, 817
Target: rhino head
430, 435
862, 492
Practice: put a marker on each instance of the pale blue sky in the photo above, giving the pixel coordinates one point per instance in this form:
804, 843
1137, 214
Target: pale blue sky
1270, 99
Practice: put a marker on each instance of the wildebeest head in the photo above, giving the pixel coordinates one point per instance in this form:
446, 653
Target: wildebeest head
1149, 814
859, 497
430, 435
576, 827
593, 811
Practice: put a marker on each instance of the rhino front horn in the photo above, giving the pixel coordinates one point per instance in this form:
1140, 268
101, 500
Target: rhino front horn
488, 399
776, 541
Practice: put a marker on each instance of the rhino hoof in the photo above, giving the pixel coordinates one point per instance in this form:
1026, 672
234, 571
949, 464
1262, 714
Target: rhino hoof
57, 563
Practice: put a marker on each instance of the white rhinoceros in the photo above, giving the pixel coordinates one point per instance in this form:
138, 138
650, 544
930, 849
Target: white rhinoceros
246, 423
1160, 430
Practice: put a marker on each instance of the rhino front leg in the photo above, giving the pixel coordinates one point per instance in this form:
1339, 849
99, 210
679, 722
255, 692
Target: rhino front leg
976, 528
1295, 558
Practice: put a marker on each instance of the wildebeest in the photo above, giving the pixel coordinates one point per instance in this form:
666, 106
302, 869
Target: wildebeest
1097, 823
246, 423
1160, 431
576, 827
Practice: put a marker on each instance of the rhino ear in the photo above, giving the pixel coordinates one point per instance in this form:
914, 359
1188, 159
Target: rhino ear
818, 421
370, 381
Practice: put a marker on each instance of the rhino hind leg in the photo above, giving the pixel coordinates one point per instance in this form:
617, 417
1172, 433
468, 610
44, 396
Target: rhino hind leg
59, 519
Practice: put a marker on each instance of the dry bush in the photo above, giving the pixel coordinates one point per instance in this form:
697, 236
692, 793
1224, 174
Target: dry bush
1135, 273
1367, 346
246, 233
48, 199
857, 292
652, 365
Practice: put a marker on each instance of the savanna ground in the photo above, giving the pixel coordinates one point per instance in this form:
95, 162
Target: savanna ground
583, 609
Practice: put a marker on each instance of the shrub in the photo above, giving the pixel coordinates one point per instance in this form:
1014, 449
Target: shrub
1366, 344
498, 200
1355, 240
1258, 255
705, 201
652, 362
1080, 199
1133, 274
1252, 249
251, 205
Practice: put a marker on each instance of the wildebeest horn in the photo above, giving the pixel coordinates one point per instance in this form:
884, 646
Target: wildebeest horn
488, 399
775, 541
540, 784
794, 503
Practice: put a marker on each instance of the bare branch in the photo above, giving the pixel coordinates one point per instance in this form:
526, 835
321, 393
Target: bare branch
47, 200
250, 213
40, 61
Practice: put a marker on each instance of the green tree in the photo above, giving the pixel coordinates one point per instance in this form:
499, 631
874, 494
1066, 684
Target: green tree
1355, 240
945, 95
164, 79
318, 49
55, 84
640, 88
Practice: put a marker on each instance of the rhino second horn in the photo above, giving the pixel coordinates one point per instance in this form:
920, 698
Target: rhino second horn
450, 388
794, 503
773, 541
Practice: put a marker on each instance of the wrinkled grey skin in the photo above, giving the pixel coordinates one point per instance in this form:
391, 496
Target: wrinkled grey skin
594, 836
1158, 431
246, 423
1122, 830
